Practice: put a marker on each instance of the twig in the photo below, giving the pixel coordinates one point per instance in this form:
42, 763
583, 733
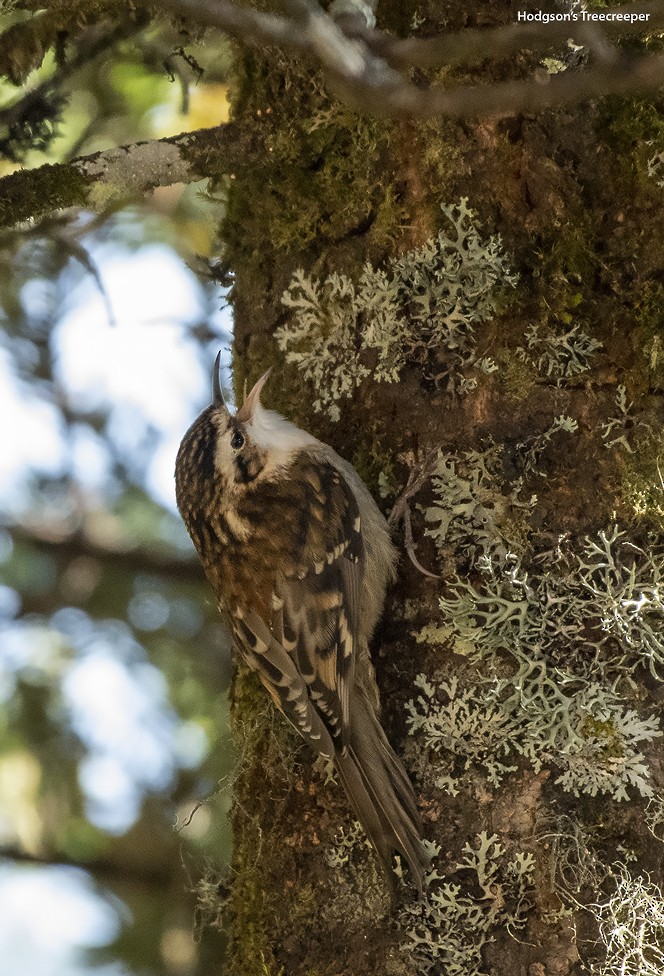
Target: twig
417, 478
499, 42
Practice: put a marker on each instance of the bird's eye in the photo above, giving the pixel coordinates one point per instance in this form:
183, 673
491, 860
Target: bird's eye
237, 440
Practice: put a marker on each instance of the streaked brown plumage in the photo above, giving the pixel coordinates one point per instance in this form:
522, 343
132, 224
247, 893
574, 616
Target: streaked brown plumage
299, 558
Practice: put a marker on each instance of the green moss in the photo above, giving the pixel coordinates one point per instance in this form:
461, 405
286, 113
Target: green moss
249, 369
373, 458
318, 174
273, 825
569, 265
516, 377
27, 194
630, 127
439, 141
648, 337
642, 483
606, 735
327, 152
563, 288
261, 862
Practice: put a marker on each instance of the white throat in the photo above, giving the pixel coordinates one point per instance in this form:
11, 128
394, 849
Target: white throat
277, 436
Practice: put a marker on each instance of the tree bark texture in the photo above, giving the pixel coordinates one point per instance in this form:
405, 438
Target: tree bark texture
119, 175
581, 221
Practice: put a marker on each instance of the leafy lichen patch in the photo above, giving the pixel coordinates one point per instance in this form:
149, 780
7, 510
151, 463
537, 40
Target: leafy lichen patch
446, 930
422, 310
587, 732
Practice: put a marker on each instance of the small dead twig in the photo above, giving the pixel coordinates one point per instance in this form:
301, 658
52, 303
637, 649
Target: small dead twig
418, 476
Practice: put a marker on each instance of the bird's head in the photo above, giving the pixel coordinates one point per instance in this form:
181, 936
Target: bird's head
224, 452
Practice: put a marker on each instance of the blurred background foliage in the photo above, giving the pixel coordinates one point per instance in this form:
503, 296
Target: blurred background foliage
114, 664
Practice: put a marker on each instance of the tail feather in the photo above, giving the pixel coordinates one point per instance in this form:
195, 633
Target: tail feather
381, 794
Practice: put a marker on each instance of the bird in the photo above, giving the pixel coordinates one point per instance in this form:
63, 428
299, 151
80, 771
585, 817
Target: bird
299, 558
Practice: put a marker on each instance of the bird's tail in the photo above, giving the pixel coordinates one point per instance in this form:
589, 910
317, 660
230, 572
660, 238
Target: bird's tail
381, 794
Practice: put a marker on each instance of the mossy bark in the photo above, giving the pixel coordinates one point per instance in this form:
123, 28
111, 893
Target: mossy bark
119, 175
326, 190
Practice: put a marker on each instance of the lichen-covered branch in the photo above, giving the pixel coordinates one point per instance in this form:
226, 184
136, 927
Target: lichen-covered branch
370, 83
472, 45
121, 173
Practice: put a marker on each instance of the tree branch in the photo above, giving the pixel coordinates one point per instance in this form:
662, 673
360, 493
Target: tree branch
357, 68
512, 97
359, 65
500, 42
103, 869
181, 570
95, 181
38, 108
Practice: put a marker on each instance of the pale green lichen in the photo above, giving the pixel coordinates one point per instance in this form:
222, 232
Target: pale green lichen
607, 597
642, 487
576, 868
625, 587
463, 722
322, 338
553, 66
475, 508
357, 888
530, 450
559, 356
617, 430
654, 816
472, 508
346, 841
631, 928
656, 168
446, 930
653, 350
587, 732
575, 626
422, 310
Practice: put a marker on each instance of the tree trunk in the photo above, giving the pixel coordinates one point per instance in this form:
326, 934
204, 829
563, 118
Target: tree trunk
532, 737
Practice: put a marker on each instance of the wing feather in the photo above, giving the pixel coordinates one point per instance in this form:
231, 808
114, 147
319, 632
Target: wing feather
278, 673
305, 654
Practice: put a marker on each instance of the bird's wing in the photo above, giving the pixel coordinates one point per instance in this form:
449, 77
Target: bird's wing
306, 655
278, 672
